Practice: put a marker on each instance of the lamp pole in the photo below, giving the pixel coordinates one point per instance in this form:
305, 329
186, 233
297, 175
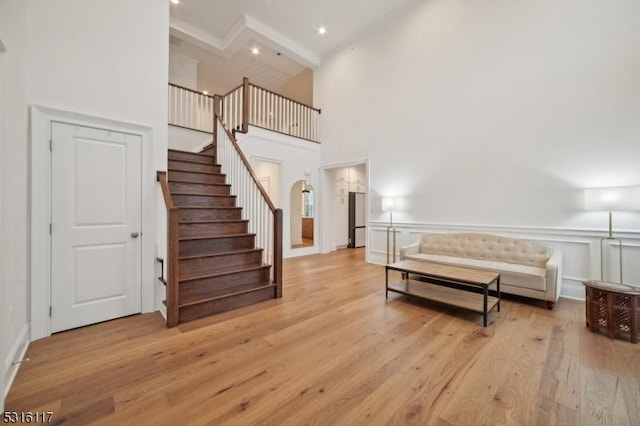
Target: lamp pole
391, 231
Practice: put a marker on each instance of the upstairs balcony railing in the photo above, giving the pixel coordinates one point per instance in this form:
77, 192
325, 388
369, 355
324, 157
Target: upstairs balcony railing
247, 104
190, 109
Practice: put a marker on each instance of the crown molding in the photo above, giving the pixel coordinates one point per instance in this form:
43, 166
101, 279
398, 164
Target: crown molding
244, 29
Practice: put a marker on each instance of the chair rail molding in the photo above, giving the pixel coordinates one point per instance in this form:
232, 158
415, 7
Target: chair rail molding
580, 247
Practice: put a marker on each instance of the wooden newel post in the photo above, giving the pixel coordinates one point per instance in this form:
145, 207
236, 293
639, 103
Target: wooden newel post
277, 251
217, 111
245, 105
173, 223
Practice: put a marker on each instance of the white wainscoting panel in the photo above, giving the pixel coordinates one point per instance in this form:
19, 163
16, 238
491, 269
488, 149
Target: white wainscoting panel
580, 249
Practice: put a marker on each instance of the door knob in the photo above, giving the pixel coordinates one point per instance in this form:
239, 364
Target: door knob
134, 235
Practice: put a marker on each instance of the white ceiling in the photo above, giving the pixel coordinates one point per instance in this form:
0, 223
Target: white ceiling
228, 29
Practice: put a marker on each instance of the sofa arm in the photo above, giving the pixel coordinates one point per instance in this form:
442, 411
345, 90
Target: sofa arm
409, 250
554, 277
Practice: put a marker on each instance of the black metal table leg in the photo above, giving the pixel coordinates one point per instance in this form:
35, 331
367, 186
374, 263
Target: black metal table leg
499, 298
486, 297
386, 283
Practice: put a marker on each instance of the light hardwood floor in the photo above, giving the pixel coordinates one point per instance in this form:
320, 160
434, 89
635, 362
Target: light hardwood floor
332, 351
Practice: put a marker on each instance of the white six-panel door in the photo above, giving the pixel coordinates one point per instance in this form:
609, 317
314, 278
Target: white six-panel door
96, 222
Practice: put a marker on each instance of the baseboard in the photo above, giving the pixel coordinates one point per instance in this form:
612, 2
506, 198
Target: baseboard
163, 312
17, 353
572, 288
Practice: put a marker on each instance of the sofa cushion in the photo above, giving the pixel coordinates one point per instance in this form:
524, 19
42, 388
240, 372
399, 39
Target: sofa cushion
487, 247
524, 276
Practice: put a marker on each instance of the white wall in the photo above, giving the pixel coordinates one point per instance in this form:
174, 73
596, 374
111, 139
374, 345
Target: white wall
120, 75
270, 172
187, 139
299, 160
338, 196
2, 297
183, 70
295, 212
491, 113
103, 59
13, 303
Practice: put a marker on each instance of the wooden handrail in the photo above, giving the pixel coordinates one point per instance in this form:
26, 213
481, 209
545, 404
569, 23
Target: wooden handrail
164, 184
232, 90
173, 253
282, 96
190, 90
246, 163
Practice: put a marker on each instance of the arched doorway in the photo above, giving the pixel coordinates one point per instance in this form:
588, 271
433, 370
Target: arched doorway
302, 214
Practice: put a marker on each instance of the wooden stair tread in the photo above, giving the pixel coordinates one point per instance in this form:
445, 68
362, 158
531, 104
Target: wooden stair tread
188, 222
201, 237
212, 208
193, 171
196, 181
189, 152
229, 292
180, 160
220, 274
238, 251
201, 183
200, 194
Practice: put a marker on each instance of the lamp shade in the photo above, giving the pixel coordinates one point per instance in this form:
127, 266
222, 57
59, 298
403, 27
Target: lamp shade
388, 204
612, 199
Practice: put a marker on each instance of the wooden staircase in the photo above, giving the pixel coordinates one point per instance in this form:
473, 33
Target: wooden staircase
219, 267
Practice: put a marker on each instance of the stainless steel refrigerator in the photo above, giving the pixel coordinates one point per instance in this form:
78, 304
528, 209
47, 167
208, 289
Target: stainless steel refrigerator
357, 220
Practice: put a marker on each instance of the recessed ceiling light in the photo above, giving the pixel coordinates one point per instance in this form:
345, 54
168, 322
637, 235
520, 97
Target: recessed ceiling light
255, 50
175, 1
322, 30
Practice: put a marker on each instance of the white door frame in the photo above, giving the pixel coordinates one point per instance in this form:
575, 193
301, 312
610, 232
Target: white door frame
40, 208
328, 203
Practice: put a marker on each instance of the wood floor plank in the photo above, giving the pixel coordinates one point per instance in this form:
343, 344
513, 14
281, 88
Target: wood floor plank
599, 395
422, 381
480, 387
333, 351
549, 413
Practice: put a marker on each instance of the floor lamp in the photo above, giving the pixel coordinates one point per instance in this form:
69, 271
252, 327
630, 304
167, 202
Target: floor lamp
389, 205
610, 200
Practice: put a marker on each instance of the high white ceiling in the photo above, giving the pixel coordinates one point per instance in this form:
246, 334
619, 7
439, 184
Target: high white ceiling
228, 28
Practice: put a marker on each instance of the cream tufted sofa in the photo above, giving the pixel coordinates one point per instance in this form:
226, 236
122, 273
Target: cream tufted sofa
526, 268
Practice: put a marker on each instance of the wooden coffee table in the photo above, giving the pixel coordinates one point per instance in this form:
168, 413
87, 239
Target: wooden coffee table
447, 284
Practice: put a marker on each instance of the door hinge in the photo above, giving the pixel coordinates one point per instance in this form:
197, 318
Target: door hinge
51, 229
50, 310
50, 144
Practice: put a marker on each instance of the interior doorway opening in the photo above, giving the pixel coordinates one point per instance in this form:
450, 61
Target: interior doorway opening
302, 214
346, 211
